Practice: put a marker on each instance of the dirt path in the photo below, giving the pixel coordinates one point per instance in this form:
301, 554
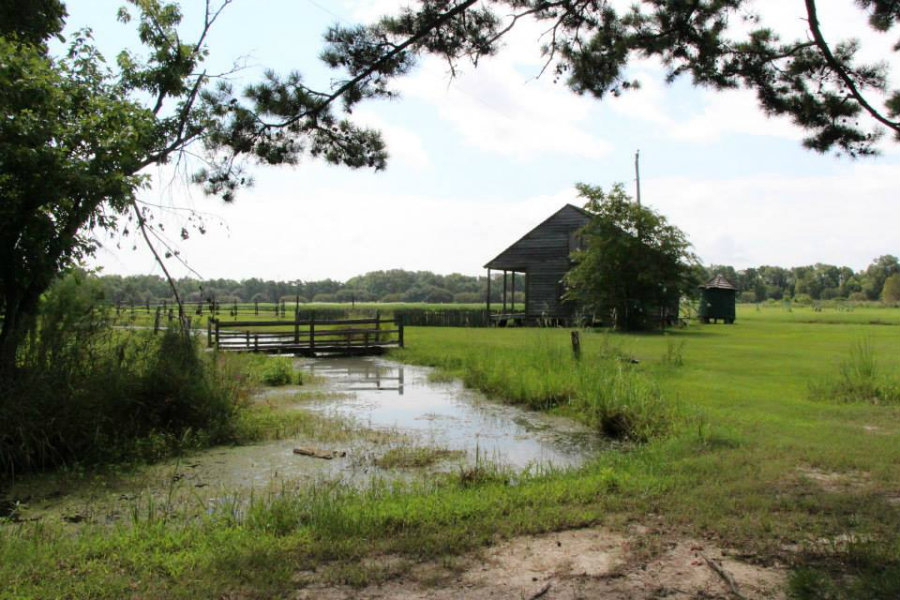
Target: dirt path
585, 563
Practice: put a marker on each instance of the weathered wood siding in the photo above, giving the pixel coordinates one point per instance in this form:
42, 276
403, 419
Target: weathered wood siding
543, 255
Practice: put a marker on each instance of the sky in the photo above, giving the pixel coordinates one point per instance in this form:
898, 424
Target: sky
478, 160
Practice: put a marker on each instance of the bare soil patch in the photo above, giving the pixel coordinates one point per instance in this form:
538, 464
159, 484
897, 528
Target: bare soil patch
835, 482
584, 563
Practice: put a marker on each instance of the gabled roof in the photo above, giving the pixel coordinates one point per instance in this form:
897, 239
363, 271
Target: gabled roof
719, 282
580, 215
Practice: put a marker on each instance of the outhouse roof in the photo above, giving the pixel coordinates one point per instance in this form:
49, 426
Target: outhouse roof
718, 282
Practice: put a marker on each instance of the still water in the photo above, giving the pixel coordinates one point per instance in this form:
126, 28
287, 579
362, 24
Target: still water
380, 396
383, 393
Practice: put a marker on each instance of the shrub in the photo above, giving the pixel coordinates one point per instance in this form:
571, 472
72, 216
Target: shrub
277, 371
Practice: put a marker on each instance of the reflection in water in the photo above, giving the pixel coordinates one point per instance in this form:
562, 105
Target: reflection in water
450, 416
357, 375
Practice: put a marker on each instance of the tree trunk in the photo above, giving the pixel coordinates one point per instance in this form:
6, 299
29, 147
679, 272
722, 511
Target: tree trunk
20, 313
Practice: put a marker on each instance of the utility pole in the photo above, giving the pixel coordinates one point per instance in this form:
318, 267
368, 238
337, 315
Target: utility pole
637, 175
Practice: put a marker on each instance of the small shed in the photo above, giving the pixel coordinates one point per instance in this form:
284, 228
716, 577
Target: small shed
542, 256
717, 299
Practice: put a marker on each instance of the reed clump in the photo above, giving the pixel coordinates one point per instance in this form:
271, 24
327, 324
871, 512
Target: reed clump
858, 378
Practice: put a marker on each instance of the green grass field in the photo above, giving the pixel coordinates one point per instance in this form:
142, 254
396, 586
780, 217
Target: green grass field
734, 438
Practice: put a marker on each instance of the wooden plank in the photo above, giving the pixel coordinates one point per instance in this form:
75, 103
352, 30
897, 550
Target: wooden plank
286, 323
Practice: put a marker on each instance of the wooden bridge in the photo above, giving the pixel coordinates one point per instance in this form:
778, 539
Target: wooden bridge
307, 337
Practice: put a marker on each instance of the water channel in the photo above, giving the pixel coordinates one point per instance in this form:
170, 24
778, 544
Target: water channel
383, 393
403, 402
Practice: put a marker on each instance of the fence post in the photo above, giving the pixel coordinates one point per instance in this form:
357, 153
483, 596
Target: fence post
217, 333
312, 331
256, 307
576, 345
247, 339
297, 327
399, 321
208, 333
156, 321
256, 342
377, 327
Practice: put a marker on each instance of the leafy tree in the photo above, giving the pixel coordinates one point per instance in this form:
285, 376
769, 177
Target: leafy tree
720, 44
891, 290
635, 265
76, 136
877, 273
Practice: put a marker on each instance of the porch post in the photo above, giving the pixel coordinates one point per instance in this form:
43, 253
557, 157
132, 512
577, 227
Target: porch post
489, 293
505, 287
525, 294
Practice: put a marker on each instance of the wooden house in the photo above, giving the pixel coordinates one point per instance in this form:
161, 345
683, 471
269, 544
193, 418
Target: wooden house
542, 256
717, 300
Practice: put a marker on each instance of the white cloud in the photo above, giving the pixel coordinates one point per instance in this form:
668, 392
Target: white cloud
366, 11
650, 102
404, 145
847, 218
498, 109
728, 112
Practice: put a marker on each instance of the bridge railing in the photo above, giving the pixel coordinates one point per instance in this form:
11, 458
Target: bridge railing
306, 335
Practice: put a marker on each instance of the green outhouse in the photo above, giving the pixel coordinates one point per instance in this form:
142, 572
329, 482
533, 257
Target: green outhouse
717, 297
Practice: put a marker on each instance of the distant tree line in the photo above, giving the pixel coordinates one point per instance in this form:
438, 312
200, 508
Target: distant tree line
879, 281
395, 285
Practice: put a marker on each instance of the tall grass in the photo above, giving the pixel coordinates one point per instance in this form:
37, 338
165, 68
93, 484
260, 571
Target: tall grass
85, 392
603, 389
859, 379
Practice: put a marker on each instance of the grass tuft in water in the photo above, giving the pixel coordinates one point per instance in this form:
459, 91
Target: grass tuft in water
416, 457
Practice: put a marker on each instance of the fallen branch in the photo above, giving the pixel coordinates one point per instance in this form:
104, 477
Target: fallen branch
726, 577
319, 453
